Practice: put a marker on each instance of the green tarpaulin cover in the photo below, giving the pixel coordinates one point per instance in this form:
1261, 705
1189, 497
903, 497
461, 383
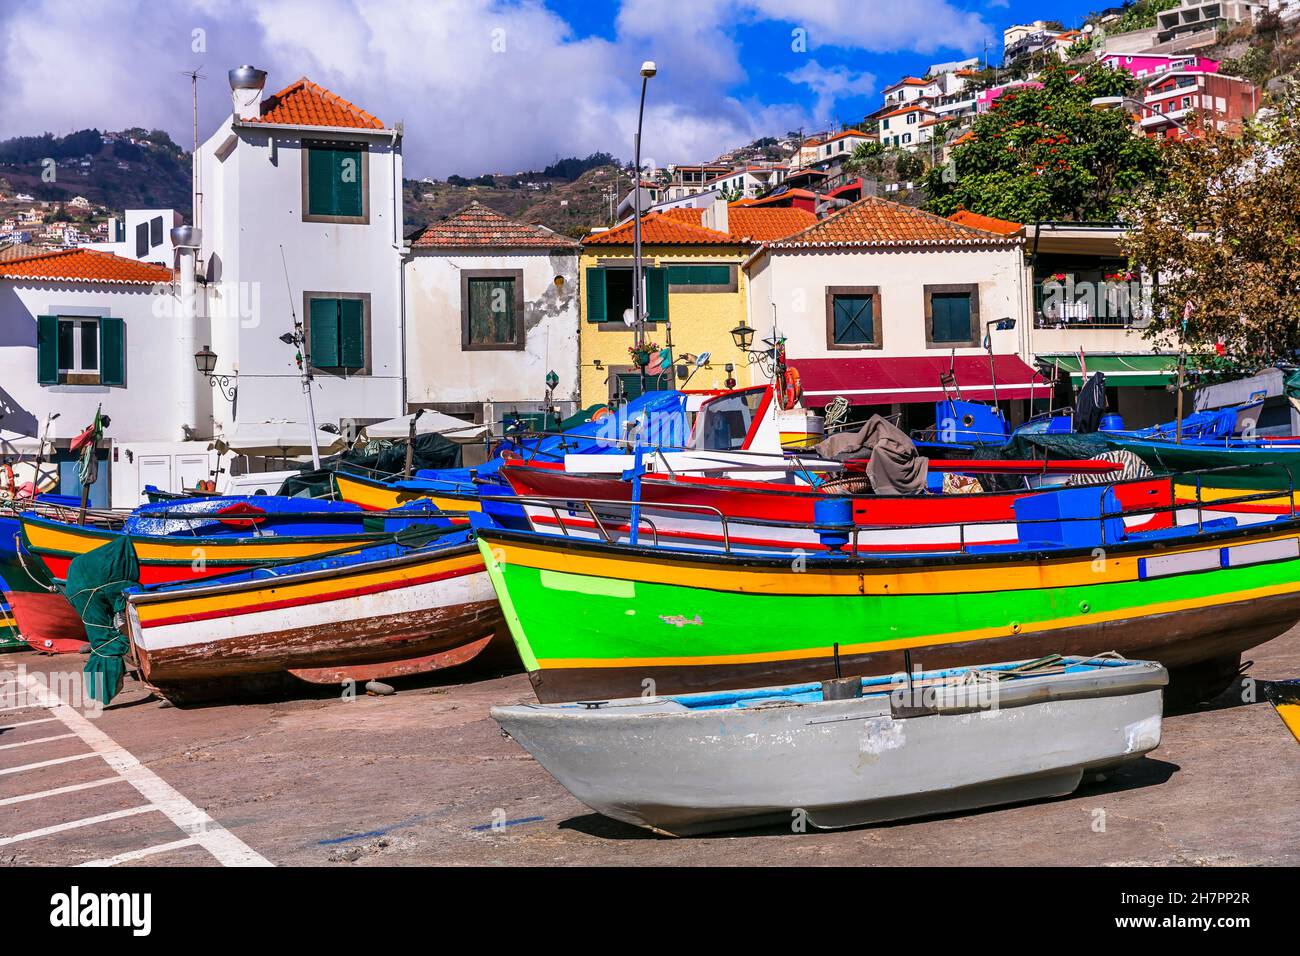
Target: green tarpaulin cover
95, 584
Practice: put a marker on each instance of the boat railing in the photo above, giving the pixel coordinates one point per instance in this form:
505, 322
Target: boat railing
598, 510
561, 506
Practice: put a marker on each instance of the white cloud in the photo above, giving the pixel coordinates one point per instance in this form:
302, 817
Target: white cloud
831, 84
482, 85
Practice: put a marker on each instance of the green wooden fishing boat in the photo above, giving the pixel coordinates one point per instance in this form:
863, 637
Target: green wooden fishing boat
594, 621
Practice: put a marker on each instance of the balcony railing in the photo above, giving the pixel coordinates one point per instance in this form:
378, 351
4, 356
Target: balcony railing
1101, 305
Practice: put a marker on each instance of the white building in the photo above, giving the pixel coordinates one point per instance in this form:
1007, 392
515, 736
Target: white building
906, 127
142, 234
299, 203
491, 309
84, 331
875, 302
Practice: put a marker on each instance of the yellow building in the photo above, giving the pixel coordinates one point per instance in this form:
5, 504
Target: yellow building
696, 293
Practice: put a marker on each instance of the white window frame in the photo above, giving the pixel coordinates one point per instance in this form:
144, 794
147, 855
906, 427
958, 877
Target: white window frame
78, 360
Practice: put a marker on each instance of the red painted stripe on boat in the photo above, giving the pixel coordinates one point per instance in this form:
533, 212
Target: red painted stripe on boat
314, 599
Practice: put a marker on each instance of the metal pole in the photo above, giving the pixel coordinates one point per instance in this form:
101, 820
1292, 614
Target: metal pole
638, 290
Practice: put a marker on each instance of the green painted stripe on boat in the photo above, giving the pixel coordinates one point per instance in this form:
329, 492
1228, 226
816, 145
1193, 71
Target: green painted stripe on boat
573, 624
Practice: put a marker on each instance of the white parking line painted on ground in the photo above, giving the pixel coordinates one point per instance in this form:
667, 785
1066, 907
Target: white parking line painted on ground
206, 832
130, 855
27, 723
77, 824
45, 763
57, 791
38, 740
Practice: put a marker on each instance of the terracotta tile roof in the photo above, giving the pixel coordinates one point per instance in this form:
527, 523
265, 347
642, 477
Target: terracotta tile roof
849, 132
905, 109
908, 81
964, 217
872, 221
659, 228
20, 250
303, 103
753, 225
478, 226
84, 265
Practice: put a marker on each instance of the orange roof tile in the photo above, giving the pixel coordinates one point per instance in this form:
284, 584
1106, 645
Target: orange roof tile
908, 81
905, 109
872, 221
747, 224
480, 226
304, 103
660, 229
84, 265
964, 217
849, 132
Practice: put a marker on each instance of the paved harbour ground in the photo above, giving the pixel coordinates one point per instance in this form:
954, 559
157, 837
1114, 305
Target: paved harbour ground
422, 776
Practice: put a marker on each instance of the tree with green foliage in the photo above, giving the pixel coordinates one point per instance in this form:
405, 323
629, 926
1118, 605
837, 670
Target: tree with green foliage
1223, 235
1048, 154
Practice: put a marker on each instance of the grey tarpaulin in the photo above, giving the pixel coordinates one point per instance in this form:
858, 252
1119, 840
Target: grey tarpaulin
894, 467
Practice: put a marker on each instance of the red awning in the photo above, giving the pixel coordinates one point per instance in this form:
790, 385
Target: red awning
883, 380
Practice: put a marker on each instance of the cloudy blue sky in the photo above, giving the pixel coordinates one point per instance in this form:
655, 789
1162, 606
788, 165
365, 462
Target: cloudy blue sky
490, 85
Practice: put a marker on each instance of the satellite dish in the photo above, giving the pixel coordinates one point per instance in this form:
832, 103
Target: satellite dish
628, 319
702, 360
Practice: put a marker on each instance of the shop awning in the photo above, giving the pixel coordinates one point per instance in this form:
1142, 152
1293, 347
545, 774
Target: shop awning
1121, 370
885, 380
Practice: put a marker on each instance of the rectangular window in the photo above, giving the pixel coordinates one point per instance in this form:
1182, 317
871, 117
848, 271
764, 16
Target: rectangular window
853, 317
71, 350
78, 345
492, 309
626, 385
337, 332
952, 315
701, 278
609, 294
142, 240
335, 184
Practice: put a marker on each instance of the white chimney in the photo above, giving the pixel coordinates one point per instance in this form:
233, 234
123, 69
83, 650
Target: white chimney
246, 83
715, 216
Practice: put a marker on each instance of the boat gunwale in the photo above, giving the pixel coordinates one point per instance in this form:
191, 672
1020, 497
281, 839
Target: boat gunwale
217, 586
855, 563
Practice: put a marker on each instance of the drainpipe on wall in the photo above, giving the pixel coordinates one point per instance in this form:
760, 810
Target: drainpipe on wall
399, 245
186, 239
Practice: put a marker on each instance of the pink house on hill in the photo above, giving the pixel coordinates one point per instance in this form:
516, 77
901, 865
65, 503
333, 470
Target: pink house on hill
1146, 65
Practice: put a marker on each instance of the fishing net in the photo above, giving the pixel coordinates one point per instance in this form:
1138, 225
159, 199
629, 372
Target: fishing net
95, 584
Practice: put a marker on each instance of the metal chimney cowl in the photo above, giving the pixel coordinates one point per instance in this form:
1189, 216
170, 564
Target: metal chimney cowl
246, 83
186, 237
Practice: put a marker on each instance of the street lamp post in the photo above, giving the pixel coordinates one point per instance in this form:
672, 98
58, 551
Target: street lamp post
648, 70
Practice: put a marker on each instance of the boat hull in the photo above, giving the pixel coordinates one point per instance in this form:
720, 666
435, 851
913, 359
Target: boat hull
598, 621
403, 615
373, 495
168, 559
659, 765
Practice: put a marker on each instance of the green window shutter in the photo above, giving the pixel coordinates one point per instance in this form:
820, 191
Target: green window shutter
950, 314
681, 275
596, 295
656, 295
324, 333
334, 181
352, 333
854, 319
492, 319
348, 182
320, 182
47, 350
112, 352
